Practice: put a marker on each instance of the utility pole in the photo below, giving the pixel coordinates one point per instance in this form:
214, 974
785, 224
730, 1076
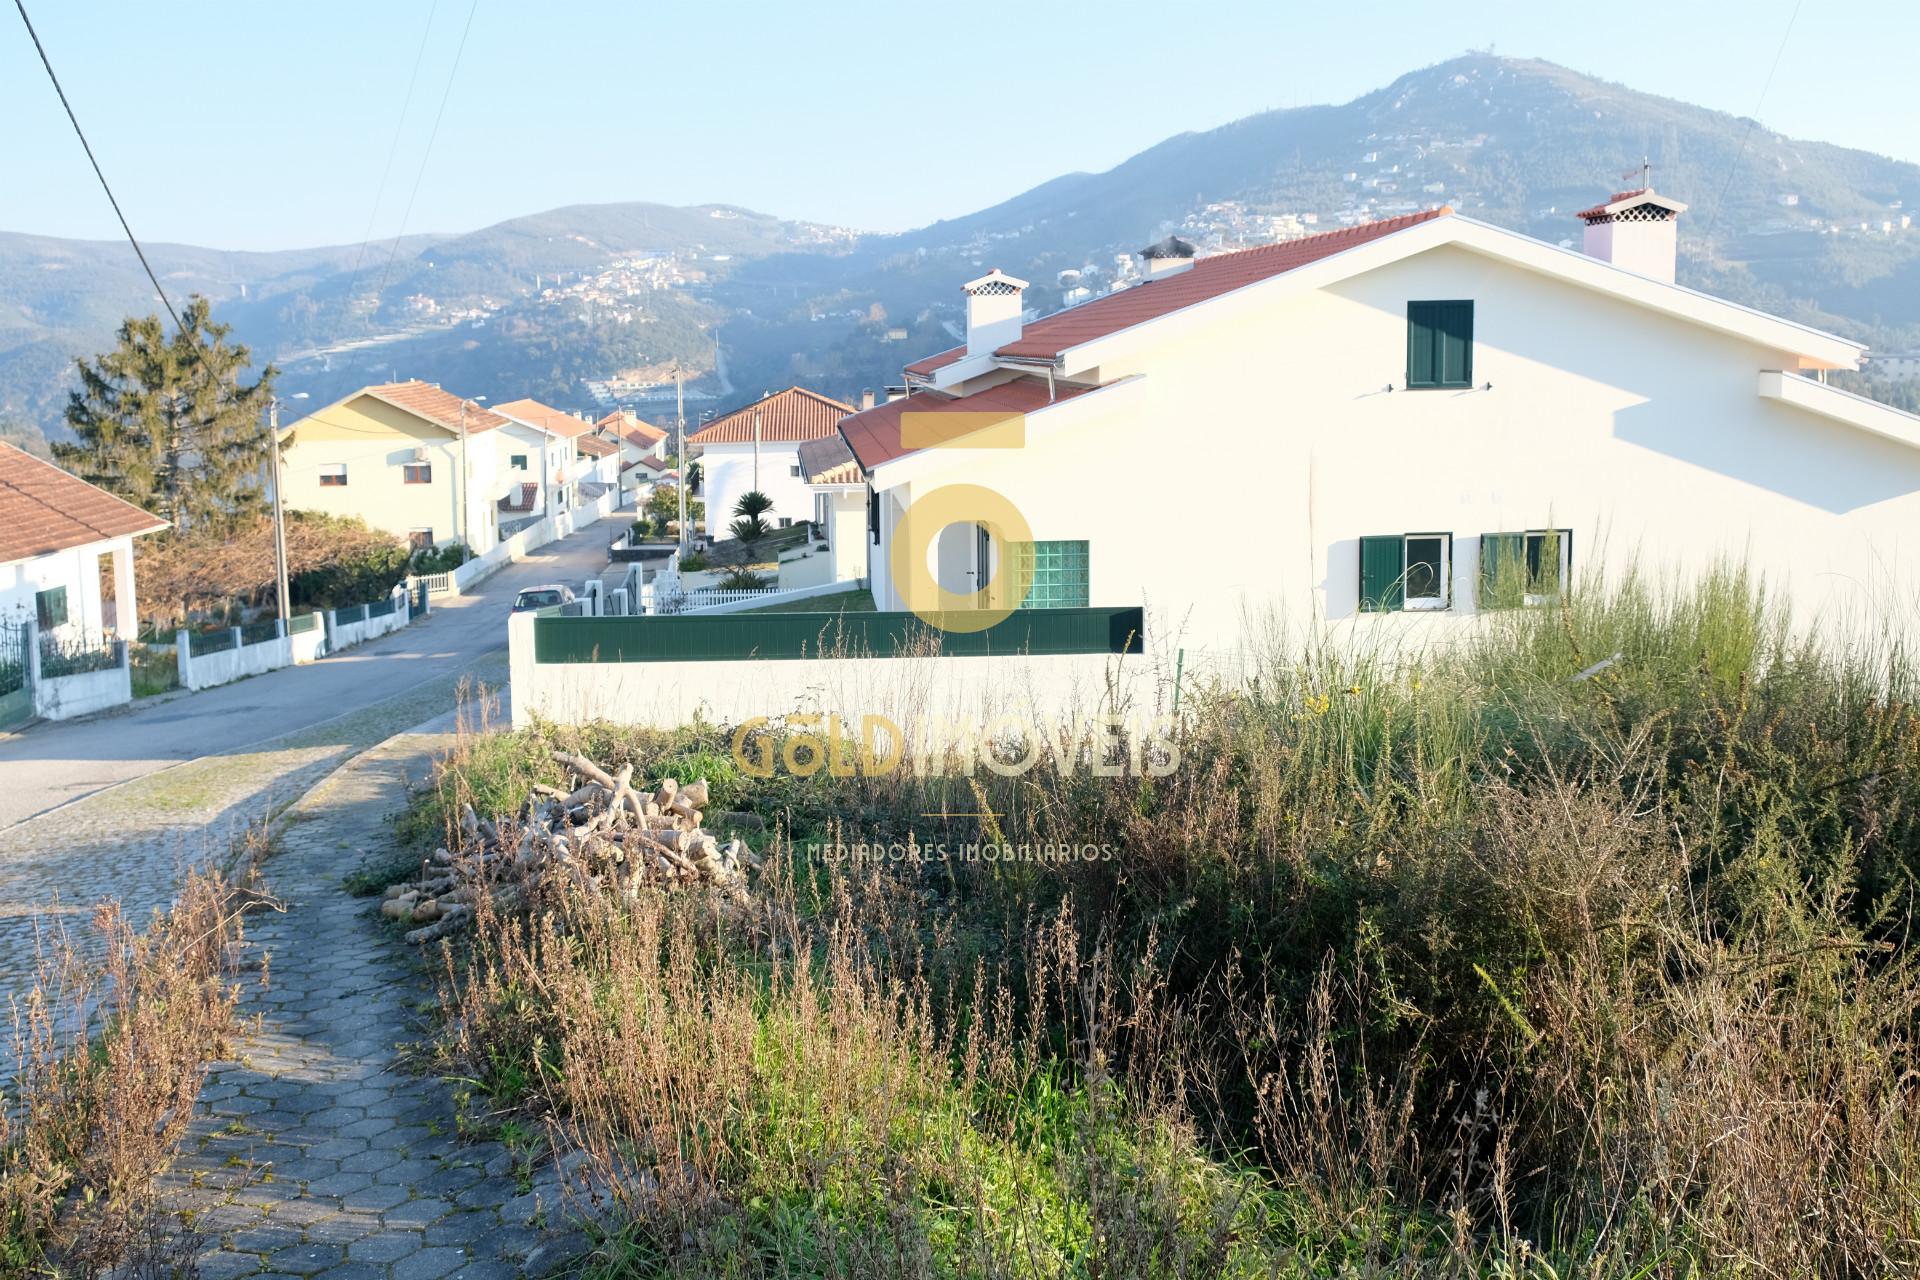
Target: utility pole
460, 489
680, 448
756, 452
279, 514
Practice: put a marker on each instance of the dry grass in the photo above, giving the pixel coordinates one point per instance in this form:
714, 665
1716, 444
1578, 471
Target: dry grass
108, 1058
1454, 965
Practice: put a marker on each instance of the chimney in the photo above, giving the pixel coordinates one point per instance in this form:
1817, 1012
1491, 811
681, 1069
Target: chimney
866, 397
1167, 258
1637, 230
993, 311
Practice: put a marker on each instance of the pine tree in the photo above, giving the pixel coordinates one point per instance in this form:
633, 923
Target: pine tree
168, 425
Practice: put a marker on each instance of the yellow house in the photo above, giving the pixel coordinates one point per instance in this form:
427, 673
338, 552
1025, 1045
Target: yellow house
406, 457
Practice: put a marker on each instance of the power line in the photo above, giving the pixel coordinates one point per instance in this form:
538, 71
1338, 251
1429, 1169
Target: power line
1752, 120
426, 155
88, 148
393, 148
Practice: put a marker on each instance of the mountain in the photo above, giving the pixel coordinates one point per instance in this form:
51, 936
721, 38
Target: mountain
601, 300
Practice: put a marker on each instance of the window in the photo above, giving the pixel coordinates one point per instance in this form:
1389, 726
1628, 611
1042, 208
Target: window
1061, 573
1439, 344
50, 608
786, 522
417, 473
1405, 571
420, 539
333, 473
1524, 568
518, 462
873, 516
794, 470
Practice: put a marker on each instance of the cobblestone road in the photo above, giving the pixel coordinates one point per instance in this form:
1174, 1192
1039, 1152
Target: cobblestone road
134, 842
315, 1153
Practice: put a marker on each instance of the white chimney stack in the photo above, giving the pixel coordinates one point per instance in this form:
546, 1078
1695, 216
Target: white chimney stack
993, 311
1637, 230
1166, 258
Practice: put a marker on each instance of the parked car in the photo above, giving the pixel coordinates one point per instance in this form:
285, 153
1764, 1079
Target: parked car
542, 597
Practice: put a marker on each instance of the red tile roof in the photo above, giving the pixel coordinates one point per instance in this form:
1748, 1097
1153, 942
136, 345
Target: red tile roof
443, 408
625, 422
928, 364
1207, 278
546, 417
1615, 198
522, 501
650, 462
874, 434
785, 417
828, 460
595, 447
44, 509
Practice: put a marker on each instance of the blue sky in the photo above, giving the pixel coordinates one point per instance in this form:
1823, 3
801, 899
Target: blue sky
267, 125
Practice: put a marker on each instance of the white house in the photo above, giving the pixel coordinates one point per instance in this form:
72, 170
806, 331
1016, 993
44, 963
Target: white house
1367, 421
552, 470
758, 448
54, 530
406, 457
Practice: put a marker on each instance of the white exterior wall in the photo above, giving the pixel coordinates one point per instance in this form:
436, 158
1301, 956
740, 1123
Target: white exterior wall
1644, 435
542, 453
728, 472
78, 570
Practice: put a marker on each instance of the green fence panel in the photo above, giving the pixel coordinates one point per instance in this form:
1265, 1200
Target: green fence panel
743, 637
74, 656
302, 623
259, 632
205, 642
380, 608
345, 617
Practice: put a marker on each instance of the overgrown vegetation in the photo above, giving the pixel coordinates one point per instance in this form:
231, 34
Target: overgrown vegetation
107, 1060
1485, 962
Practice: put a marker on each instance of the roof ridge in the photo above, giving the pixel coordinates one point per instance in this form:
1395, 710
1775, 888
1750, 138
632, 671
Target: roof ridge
1369, 228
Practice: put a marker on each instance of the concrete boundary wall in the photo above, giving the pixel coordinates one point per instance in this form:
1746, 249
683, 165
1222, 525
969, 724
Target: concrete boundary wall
64, 697
1051, 688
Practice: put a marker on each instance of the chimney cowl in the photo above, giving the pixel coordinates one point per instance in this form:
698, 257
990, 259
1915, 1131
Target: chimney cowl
1635, 230
866, 397
994, 306
1166, 257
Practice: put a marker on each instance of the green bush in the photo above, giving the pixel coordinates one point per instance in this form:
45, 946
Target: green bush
439, 559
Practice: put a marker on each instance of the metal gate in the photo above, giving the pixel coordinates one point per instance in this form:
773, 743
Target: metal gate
16, 697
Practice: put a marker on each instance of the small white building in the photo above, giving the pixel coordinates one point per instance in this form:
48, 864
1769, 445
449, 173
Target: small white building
558, 433
758, 448
55, 528
1376, 417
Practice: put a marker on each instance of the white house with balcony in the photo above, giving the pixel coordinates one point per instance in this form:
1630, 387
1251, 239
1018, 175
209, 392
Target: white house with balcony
55, 532
1372, 426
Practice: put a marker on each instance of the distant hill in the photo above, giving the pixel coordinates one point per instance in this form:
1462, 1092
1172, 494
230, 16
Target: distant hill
562, 304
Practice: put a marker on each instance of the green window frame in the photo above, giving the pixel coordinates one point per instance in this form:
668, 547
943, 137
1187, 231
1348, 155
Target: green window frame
1531, 567
518, 461
1440, 344
1060, 573
1406, 572
50, 608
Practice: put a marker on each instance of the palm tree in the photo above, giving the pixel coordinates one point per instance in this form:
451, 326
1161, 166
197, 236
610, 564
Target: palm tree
753, 503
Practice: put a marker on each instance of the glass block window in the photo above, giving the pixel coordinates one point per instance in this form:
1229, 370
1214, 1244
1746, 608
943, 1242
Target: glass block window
1060, 572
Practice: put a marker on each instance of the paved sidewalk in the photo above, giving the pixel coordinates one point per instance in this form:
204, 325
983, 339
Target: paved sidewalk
316, 1153
134, 842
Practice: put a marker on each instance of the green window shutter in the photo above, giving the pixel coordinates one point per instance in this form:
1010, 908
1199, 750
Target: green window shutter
1455, 343
50, 608
1422, 344
1439, 344
1503, 570
1383, 569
